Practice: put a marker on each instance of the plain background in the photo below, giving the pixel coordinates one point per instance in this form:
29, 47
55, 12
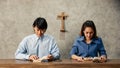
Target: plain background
17, 16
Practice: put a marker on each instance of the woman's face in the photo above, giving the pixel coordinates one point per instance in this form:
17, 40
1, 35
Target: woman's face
88, 32
39, 32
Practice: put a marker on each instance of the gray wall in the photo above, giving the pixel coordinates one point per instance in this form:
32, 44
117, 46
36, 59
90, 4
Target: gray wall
17, 16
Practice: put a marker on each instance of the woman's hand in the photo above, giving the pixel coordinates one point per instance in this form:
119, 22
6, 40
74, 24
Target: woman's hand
78, 58
103, 58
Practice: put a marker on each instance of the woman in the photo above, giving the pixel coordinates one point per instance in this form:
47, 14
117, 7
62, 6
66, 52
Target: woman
88, 44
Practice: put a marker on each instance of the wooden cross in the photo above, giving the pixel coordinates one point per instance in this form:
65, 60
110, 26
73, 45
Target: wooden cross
62, 16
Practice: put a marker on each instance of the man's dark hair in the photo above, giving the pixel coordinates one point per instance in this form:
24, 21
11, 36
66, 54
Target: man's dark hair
40, 23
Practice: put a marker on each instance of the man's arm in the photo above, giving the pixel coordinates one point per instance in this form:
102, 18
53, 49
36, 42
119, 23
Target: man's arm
21, 52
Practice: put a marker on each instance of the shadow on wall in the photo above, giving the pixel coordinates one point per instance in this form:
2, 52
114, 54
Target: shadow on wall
117, 5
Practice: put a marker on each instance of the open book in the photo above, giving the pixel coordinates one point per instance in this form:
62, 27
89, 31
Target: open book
43, 59
95, 59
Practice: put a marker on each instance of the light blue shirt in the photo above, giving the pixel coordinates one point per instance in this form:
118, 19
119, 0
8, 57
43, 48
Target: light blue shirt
33, 45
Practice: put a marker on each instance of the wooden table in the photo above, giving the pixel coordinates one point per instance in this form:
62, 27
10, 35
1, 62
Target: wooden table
65, 63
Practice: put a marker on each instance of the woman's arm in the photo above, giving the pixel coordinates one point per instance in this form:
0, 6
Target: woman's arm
78, 58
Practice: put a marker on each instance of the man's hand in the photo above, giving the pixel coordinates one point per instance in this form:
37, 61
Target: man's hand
33, 57
50, 57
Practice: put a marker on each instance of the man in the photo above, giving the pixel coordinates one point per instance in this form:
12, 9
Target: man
38, 45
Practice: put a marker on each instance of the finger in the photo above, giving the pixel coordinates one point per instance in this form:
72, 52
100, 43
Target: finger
35, 57
80, 59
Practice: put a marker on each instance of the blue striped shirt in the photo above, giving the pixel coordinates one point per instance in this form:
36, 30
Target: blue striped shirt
32, 45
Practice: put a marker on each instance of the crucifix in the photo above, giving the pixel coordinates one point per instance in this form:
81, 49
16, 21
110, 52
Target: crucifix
62, 17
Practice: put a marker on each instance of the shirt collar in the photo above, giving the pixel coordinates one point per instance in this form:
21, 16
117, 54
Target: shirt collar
36, 37
82, 38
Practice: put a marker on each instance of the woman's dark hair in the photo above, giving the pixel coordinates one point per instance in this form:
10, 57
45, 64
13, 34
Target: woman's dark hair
40, 23
89, 23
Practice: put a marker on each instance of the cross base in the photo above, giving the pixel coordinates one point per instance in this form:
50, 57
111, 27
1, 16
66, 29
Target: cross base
62, 30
